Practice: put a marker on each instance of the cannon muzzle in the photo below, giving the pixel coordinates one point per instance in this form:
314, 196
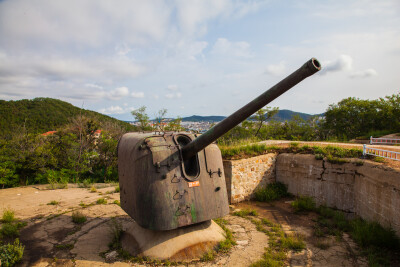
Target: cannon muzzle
308, 69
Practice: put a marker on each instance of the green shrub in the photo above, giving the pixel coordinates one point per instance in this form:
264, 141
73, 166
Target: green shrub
319, 156
93, 189
272, 191
116, 189
379, 159
9, 230
53, 202
11, 253
208, 256
78, 217
367, 234
293, 242
8, 216
101, 201
245, 212
303, 203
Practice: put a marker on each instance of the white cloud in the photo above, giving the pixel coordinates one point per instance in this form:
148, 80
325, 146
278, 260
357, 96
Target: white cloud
277, 69
173, 95
364, 74
172, 87
231, 49
116, 110
137, 94
343, 63
118, 93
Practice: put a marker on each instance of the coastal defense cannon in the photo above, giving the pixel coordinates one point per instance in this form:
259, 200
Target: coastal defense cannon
174, 179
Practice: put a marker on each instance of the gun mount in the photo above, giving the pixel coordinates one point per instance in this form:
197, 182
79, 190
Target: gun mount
170, 180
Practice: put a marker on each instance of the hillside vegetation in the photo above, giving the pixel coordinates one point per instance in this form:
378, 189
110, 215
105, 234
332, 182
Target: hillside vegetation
40, 115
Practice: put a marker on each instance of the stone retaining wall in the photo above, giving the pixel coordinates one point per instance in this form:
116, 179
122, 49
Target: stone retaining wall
370, 190
243, 177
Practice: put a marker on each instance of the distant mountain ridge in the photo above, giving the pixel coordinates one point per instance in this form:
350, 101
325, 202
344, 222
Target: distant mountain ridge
40, 115
282, 115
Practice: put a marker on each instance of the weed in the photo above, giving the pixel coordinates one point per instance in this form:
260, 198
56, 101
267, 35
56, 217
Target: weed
116, 232
53, 202
319, 156
245, 212
293, 242
8, 216
78, 217
116, 202
116, 190
225, 246
208, 256
359, 163
379, 159
9, 230
336, 160
368, 234
93, 189
303, 203
101, 201
11, 253
294, 145
272, 191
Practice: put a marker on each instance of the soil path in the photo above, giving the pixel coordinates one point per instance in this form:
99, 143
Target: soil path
52, 239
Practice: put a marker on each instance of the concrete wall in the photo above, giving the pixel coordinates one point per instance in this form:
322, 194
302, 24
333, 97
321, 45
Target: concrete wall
371, 191
243, 177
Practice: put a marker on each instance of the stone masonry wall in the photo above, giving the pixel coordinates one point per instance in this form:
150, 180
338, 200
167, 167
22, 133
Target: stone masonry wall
243, 177
371, 191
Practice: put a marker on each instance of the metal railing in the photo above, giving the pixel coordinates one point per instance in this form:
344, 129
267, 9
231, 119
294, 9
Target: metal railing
383, 141
381, 153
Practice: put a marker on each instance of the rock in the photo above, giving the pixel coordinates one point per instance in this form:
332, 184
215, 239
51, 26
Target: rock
111, 256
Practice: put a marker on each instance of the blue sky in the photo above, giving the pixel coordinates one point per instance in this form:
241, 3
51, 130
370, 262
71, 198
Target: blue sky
205, 57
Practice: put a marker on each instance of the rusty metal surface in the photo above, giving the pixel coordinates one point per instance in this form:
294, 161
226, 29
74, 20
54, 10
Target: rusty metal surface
154, 189
308, 69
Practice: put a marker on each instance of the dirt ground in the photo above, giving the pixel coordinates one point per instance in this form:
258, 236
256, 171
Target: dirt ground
52, 239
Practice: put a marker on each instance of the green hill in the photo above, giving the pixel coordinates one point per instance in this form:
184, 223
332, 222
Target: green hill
44, 114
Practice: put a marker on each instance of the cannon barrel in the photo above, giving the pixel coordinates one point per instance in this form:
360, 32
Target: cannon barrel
308, 69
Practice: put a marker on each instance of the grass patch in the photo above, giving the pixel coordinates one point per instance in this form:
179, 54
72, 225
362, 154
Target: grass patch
245, 212
208, 256
251, 150
11, 253
226, 245
279, 243
78, 217
117, 202
378, 244
116, 190
53, 202
379, 159
336, 160
101, 201
293, 242
93, 189
272, 191
8, 216
303, 203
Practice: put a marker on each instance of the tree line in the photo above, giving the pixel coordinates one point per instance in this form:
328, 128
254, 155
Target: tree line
75, 152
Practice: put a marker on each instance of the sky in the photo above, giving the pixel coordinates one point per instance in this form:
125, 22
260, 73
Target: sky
196, 57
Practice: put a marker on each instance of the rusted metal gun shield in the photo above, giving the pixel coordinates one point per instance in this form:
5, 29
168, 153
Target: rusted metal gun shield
163, 199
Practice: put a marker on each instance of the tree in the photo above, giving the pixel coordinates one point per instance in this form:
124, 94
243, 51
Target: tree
264, 114
141, 117
159, 119
175, 125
